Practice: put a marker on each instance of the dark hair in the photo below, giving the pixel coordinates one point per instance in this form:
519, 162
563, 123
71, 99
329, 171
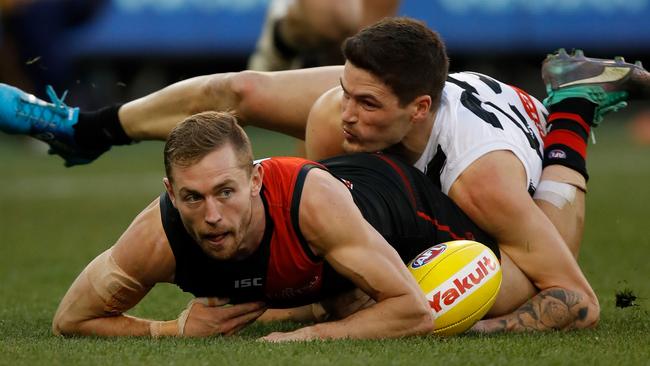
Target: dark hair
202, 133
402, 52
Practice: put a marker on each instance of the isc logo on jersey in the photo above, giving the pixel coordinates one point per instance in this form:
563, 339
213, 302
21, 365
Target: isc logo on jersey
461, 280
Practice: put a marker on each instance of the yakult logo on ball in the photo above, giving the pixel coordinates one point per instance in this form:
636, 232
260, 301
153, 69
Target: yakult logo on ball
463, 283
426, 256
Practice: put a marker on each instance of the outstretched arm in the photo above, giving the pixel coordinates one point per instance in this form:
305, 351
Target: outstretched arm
120, 277
336, 230
108, 287
502, 206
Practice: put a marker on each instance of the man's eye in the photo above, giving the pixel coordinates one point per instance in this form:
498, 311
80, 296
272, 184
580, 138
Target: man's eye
191, 198
368, 105
226, 193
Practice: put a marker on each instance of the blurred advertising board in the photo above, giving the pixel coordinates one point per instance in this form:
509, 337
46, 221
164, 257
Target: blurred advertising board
231, 27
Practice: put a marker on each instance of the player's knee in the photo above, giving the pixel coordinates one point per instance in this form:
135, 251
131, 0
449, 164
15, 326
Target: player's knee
340, 21
215, 92
316, 23
246, 84
248, 90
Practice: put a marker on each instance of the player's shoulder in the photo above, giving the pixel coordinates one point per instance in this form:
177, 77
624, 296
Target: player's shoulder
143, 250
321, 186
284, 179
323, 137
326, 109
329, 100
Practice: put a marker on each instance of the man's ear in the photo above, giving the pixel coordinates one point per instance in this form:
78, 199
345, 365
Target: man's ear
257, 176
170, 190
421, 108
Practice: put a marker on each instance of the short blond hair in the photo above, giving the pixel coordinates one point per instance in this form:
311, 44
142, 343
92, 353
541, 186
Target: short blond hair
202, 133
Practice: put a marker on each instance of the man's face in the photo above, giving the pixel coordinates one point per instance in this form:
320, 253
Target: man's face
214, 197
371, 117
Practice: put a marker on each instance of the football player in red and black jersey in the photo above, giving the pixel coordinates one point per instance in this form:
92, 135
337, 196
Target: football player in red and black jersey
283, 232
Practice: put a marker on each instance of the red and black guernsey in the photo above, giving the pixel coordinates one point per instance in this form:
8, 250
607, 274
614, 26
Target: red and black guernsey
395, 198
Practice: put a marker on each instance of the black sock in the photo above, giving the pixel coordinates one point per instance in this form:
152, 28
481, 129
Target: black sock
566, 141
280, 44
101, 129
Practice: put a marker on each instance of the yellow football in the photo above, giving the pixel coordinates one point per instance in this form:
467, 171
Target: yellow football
461, 280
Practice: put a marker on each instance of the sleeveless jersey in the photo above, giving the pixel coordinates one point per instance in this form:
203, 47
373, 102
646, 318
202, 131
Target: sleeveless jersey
395, 198
477, 115
281, 272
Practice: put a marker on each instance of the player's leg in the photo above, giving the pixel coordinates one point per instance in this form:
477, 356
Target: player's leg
280, 101
313, 29
581, 91
563, 184
311, 24
562, 199
295, 28
272, 52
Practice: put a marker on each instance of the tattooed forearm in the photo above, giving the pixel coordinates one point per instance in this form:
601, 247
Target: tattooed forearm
554, 308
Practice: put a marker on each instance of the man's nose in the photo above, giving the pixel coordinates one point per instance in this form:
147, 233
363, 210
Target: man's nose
349, 112
212, 213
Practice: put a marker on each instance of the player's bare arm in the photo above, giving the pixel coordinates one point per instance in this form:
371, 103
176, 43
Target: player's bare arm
119, 278
114, 282
300, 314
503, 207
335, 229
332, 308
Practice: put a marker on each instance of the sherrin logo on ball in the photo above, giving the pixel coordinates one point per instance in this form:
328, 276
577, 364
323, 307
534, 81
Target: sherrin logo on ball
426, 256
461, 280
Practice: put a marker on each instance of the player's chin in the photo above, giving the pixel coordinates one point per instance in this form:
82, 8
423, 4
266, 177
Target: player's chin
218, 248
354, 147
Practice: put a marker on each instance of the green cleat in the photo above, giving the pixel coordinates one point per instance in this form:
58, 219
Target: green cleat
606, 83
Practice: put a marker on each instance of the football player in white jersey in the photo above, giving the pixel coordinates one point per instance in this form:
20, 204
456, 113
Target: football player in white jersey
479, 138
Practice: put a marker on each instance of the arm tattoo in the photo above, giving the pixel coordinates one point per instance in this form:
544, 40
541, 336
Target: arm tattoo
554, 308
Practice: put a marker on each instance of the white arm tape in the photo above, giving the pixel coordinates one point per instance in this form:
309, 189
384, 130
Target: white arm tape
557, 193
114, 286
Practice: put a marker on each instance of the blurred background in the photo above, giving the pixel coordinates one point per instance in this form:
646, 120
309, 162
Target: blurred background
115, 50
54, 220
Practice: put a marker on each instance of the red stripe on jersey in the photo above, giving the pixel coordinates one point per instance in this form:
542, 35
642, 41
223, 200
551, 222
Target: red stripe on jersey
441, 227
291, 274
401, 173
570, 116
530, 108
567, 138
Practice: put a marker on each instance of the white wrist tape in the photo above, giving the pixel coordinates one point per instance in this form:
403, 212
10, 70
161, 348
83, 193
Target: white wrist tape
182, 318
557, 193
174, 327
159, 328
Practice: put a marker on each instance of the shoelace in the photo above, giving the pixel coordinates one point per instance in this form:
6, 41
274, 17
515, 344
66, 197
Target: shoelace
59, 105
44, 116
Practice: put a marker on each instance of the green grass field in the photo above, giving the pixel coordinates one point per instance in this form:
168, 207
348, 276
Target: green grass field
55, 220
